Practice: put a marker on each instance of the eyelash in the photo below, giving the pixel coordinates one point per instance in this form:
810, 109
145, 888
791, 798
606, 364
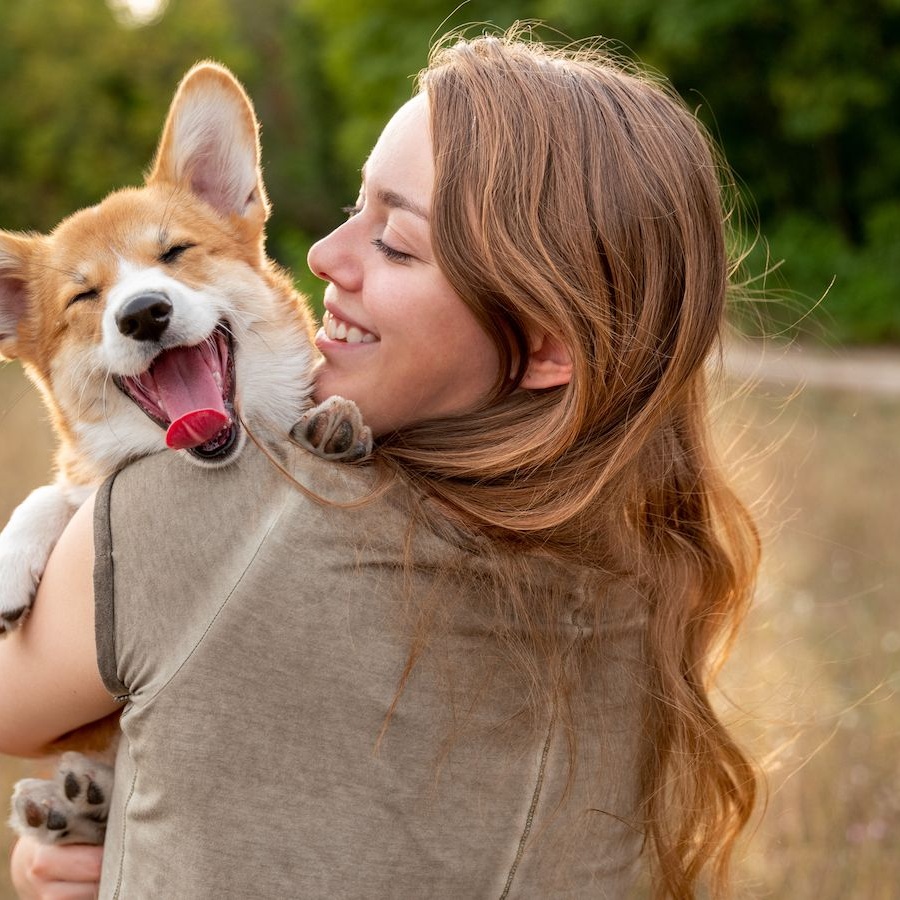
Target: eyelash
390, 252
383, 248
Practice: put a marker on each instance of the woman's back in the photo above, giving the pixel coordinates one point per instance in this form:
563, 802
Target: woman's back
266, 695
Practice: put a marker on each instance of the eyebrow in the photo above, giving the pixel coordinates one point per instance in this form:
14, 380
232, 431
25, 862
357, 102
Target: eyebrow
393, 200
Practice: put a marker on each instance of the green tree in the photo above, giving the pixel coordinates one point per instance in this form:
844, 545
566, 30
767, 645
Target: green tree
803, 97
371, 55
85, 98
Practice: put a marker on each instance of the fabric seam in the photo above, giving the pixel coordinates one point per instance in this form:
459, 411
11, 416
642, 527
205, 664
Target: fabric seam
529, 819
222, 605
121, 867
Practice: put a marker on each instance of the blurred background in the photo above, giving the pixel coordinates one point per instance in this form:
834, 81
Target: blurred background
803, 98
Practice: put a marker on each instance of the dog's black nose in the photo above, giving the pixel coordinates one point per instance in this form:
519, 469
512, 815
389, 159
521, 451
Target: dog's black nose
145, 317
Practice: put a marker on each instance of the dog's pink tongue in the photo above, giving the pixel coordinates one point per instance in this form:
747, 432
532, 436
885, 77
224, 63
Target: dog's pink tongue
190, 396
195, 428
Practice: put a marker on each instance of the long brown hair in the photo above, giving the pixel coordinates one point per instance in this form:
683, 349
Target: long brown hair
577, 198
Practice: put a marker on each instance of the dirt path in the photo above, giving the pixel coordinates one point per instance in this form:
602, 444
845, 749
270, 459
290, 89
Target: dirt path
875, 371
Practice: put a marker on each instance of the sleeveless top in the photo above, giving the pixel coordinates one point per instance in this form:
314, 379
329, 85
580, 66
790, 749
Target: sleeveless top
257, 638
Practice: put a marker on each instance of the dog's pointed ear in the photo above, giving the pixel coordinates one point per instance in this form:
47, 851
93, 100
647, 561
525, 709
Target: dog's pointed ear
14, 253
210, 145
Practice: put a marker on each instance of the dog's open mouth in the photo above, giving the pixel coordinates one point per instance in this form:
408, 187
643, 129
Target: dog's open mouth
189, 392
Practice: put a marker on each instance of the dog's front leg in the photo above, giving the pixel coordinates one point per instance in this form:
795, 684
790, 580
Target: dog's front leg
25, 544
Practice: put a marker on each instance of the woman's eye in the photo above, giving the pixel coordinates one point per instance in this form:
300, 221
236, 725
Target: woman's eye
174, 253
390, 252
91, 294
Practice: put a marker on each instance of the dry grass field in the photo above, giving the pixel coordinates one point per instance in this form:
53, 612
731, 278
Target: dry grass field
813, 684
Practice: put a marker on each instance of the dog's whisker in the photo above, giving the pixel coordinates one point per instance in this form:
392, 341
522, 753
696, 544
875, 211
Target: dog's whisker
86, 380
248, 322
243, 323
169, 211
106, 416
68, 273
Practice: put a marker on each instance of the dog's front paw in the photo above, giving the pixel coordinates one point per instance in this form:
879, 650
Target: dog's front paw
19, 574
71, 809
334, 430
25, 545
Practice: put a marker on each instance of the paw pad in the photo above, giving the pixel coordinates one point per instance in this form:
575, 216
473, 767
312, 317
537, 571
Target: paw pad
95, 796
56, 821
34, 814
71, 785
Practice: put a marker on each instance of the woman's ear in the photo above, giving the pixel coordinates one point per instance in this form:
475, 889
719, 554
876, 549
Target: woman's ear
549, 363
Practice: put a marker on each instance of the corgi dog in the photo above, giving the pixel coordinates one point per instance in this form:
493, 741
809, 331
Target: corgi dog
155, 320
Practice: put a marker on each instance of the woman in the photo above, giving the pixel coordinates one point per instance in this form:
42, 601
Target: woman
514, 699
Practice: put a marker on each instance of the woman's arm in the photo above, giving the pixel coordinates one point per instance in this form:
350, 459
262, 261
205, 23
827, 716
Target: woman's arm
48, 667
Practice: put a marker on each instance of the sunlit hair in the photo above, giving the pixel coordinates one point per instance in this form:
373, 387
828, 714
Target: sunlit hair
576, 198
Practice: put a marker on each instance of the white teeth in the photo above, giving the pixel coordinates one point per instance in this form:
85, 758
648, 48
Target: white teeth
336, 330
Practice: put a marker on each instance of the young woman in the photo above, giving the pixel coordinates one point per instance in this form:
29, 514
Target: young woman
490, 679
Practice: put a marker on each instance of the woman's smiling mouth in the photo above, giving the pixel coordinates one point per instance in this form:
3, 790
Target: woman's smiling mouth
337, 329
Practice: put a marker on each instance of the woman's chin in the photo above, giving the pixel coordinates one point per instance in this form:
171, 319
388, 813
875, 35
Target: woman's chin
325, 384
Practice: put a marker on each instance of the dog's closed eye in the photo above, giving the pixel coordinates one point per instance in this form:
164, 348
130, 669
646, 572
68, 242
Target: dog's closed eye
91, 294
174, 253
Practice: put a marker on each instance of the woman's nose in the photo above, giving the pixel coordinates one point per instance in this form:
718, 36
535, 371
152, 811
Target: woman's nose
332, 259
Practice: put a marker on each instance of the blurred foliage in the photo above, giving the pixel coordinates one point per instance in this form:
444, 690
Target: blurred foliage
802, 96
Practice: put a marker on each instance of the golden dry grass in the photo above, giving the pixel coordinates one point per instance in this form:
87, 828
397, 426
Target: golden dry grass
812, 686
816, 675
